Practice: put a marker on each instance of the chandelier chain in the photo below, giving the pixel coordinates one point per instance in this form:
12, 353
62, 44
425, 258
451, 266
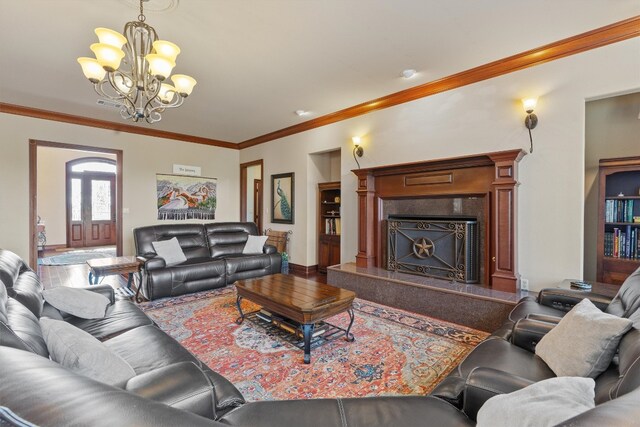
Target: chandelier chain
141, 17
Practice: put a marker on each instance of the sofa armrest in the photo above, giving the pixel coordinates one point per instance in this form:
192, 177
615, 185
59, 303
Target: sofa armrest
105, 290
527, 333
484, 383
544, 318
565, 299
182, 385
152, 262
270, 249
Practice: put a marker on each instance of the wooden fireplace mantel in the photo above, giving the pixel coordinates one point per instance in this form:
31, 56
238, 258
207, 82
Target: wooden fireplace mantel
492, 175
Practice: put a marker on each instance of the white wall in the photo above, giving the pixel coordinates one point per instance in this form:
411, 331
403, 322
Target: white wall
143, 157
479, 118
612, 130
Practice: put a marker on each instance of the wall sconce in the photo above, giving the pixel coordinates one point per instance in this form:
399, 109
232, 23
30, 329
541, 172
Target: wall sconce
357, 149
531, 121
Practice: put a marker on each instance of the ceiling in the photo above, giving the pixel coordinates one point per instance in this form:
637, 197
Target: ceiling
257, 61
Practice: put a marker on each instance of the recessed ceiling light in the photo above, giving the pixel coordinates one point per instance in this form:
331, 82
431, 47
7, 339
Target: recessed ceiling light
301, 113
407, 74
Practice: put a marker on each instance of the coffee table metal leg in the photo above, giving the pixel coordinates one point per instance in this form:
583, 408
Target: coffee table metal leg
307, 331
241, 318
349, 336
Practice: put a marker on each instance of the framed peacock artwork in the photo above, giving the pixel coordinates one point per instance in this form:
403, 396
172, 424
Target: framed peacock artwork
282, 200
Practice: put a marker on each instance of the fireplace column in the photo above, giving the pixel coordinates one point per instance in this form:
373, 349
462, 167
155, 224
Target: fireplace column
366, 211
505, 275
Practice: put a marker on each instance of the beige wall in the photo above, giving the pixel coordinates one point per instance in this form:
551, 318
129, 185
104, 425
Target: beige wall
612, 130
482, 117
51, 189
143, 157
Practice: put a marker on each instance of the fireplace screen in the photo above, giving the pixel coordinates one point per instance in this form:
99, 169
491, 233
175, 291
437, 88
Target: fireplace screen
442, 247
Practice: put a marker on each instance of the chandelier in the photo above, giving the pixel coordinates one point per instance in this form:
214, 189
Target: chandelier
130, 70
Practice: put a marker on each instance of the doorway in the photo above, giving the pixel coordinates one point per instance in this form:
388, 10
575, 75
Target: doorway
251, 192
49, 185
90, 202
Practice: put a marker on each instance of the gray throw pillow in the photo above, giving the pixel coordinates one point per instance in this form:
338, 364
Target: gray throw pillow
545, 403
170, 250
584, 342
254, 245
78, 302
80, 352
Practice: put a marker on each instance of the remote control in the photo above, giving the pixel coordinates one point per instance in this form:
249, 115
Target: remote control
580, 284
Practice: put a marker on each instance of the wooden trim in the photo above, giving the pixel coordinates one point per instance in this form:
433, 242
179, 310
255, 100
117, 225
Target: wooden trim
104, 124
243, 185
33, 190
599, 37
301, 270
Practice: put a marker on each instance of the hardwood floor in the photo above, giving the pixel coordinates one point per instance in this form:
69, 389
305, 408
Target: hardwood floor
75, 275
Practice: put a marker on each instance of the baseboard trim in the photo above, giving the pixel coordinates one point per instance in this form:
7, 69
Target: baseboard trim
302, 270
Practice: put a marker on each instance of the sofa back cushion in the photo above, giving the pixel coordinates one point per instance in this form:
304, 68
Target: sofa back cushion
10, 267
190, 236
628, 364
19, 327
627, 300
229, 238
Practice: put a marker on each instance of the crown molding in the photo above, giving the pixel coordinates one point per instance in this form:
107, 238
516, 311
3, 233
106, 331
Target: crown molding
593, 39
104, 124
613, 33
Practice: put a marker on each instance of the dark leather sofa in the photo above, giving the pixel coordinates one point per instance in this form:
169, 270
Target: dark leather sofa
214, 257
173, 388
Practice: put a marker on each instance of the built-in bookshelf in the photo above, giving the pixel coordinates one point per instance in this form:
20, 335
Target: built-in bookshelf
329, 225
618, 219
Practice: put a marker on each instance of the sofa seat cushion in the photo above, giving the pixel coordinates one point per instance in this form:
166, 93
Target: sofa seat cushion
501, 355
405, 411
246, 262
121, 316
193, 275
147, 348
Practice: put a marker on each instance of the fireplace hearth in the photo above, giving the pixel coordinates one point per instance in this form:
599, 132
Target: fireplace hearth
436, 246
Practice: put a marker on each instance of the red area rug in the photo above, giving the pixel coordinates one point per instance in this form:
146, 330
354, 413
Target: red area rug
394, 352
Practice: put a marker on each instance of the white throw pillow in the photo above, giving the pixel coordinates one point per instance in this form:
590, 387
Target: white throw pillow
78, 302
82, 353
545, 403
254, 245
170, 250
584, 342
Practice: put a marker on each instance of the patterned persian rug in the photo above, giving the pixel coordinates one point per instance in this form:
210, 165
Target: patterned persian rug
394, 352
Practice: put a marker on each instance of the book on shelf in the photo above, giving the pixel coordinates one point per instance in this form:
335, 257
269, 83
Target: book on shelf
619, 210
622, 243
293, 327
332, 226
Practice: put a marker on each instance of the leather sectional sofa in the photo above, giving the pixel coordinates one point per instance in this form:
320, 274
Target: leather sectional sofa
173, 388
214, 257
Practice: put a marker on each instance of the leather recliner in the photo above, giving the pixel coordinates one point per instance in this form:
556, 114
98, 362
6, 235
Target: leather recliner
552, 304
214, 257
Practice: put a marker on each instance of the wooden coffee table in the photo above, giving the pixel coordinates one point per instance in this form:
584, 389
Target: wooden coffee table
300, 300
118, 265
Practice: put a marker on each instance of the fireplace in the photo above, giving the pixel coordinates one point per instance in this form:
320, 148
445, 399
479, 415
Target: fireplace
482, 185
436, 246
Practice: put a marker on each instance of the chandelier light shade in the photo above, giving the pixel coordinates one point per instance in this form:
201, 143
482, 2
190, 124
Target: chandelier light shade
130, 69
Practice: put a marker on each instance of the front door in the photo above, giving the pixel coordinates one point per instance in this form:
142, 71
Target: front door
91, 213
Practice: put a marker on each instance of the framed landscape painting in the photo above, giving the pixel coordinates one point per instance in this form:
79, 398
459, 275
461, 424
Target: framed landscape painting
186, 197
282, 200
